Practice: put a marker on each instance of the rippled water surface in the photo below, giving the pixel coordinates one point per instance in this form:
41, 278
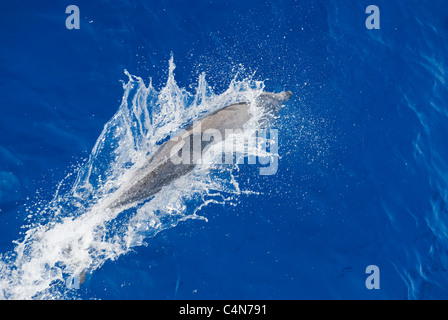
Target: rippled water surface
362, 174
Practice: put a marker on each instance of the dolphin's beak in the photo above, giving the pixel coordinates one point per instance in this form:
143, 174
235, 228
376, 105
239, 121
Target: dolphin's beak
274, 101
284, 95
288, 95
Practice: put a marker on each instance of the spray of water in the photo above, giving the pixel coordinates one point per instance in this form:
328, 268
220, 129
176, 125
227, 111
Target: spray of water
79, 232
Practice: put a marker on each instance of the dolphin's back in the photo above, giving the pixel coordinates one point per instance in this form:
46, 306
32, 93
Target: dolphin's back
159, 170
232, 117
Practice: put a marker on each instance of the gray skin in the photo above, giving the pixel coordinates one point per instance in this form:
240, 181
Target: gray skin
160, 169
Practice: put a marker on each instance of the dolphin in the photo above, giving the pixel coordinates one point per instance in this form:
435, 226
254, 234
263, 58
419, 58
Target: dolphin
162, 168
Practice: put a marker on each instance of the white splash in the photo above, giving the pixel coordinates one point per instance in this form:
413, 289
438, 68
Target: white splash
78, 233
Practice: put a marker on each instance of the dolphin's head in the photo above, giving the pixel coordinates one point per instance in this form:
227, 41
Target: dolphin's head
284, 95
272, 102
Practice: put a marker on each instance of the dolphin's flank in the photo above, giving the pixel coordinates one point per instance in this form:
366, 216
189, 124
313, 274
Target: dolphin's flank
159, 170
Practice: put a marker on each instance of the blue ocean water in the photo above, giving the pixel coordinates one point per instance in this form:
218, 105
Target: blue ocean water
362, 177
